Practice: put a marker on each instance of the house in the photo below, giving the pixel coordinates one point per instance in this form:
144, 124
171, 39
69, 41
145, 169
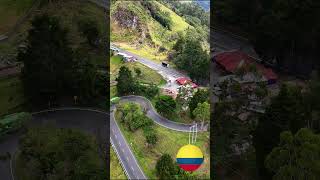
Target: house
183, 80
231, 61
127, 57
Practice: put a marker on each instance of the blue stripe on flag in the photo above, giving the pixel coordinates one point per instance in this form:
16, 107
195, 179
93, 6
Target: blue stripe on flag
189, 160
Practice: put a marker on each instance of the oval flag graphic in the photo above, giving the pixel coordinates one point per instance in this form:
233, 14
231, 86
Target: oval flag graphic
189, 157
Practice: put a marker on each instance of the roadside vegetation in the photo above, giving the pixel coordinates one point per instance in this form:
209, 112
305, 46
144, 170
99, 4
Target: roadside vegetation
243, 148
116, 170
145, 74
52, 153
12, 97
13, 122
148, 152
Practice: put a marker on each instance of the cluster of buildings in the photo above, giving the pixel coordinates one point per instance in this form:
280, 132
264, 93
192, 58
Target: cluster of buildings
231, 62
238, 67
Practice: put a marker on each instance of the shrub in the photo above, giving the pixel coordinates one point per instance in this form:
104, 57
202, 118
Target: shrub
150, 134
165, 167
165, 104
13, 122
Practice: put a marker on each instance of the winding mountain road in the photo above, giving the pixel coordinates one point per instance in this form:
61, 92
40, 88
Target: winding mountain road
119, 143
88, 120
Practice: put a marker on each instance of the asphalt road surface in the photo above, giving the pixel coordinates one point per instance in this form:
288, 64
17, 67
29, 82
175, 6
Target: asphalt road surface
119, 143
168, 72
90, 121
224, 41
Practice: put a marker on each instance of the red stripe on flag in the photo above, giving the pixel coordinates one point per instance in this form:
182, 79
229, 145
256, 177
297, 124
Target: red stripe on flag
189, 167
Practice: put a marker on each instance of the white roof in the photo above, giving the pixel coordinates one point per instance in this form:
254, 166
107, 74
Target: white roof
124, 55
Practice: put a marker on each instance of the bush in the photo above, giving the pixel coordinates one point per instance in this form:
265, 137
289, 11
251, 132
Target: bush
139, 121
64, 153
147, 91
150, 134
165, 167
166, 104
133, 117
199, 97
13, 122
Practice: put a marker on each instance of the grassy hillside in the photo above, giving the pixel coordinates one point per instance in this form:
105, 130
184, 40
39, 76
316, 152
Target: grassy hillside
147, 75
69, 12
149, 35
168, 142
10, 11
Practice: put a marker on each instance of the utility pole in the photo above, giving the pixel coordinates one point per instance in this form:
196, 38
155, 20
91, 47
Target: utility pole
193, 131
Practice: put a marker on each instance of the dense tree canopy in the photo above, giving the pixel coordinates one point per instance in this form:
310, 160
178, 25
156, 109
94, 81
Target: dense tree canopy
287, 112
199, 97
126, 84
133, 116
50, 153
166, 104
47, 59
202, 112
165, 167
191, 54
52, 69
296, 157
284, 32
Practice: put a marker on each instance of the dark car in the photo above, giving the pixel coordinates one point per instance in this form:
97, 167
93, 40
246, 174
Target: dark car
165, 64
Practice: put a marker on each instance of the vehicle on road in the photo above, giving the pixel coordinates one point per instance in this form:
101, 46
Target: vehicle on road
165, 64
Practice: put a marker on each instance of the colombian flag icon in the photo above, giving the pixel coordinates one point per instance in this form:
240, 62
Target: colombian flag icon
189, 157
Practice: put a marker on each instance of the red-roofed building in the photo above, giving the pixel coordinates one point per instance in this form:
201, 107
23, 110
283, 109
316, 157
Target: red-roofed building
231, 61
183, 80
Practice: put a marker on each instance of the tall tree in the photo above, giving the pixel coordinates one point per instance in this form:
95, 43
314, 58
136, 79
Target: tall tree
126, 83
165, 167
47, 59
199, 97
296, 157
202, 113
286, 112
192, 55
